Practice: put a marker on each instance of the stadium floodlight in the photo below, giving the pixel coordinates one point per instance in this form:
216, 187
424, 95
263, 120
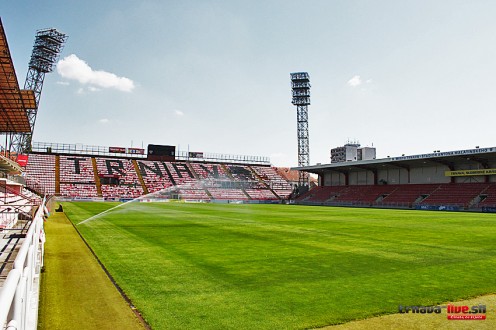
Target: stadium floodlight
47, 46
300, 83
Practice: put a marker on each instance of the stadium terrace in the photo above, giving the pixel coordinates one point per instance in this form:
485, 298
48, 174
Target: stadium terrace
82, 175
454, 180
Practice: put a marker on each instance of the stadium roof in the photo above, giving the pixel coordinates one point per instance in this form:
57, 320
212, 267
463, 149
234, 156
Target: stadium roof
482, 156
13, 100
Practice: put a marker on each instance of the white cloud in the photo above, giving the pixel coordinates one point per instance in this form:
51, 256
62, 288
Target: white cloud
73, 68
178, 112
103, 121
94, 89
355, 81
63, 83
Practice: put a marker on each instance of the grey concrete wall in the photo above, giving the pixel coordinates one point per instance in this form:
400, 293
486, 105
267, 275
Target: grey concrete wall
361, 178
430, 173
334, 179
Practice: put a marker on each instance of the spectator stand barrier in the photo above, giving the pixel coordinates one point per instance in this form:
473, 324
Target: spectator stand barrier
20, 292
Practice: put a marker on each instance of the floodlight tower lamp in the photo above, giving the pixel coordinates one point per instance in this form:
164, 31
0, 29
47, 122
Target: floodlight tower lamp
47, 47
300, 83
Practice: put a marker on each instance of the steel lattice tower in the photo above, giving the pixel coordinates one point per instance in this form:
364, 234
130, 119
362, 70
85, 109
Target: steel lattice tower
46, 50
300, 83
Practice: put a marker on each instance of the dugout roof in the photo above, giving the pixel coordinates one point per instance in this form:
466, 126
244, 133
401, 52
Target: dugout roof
458, 158
13, 100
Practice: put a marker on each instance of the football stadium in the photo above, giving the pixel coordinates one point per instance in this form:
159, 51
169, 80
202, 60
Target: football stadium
117, 237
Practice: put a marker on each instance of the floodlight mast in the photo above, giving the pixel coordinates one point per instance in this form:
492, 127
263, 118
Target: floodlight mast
300, 83
46, 50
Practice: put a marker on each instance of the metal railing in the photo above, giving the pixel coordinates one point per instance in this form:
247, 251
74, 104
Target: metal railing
20, 292
80, 149
224, 158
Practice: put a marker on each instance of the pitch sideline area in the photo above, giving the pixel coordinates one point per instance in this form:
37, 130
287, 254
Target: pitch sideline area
75, 291
275, 266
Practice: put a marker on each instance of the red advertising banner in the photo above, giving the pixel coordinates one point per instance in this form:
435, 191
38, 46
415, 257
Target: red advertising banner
22, 160
117, 150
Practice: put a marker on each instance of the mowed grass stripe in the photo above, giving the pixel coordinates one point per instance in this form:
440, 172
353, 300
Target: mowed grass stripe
274, 266
75, 291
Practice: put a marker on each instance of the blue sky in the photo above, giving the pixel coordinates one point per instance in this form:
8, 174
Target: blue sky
406, 76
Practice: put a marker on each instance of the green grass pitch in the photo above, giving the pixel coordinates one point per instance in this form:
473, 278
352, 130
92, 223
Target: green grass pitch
213, 266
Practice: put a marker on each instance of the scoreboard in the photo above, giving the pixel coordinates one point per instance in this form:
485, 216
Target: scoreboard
161, 152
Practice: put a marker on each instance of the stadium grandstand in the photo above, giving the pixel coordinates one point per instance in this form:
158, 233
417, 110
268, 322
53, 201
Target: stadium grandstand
21, 210
454, 180
79, 172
